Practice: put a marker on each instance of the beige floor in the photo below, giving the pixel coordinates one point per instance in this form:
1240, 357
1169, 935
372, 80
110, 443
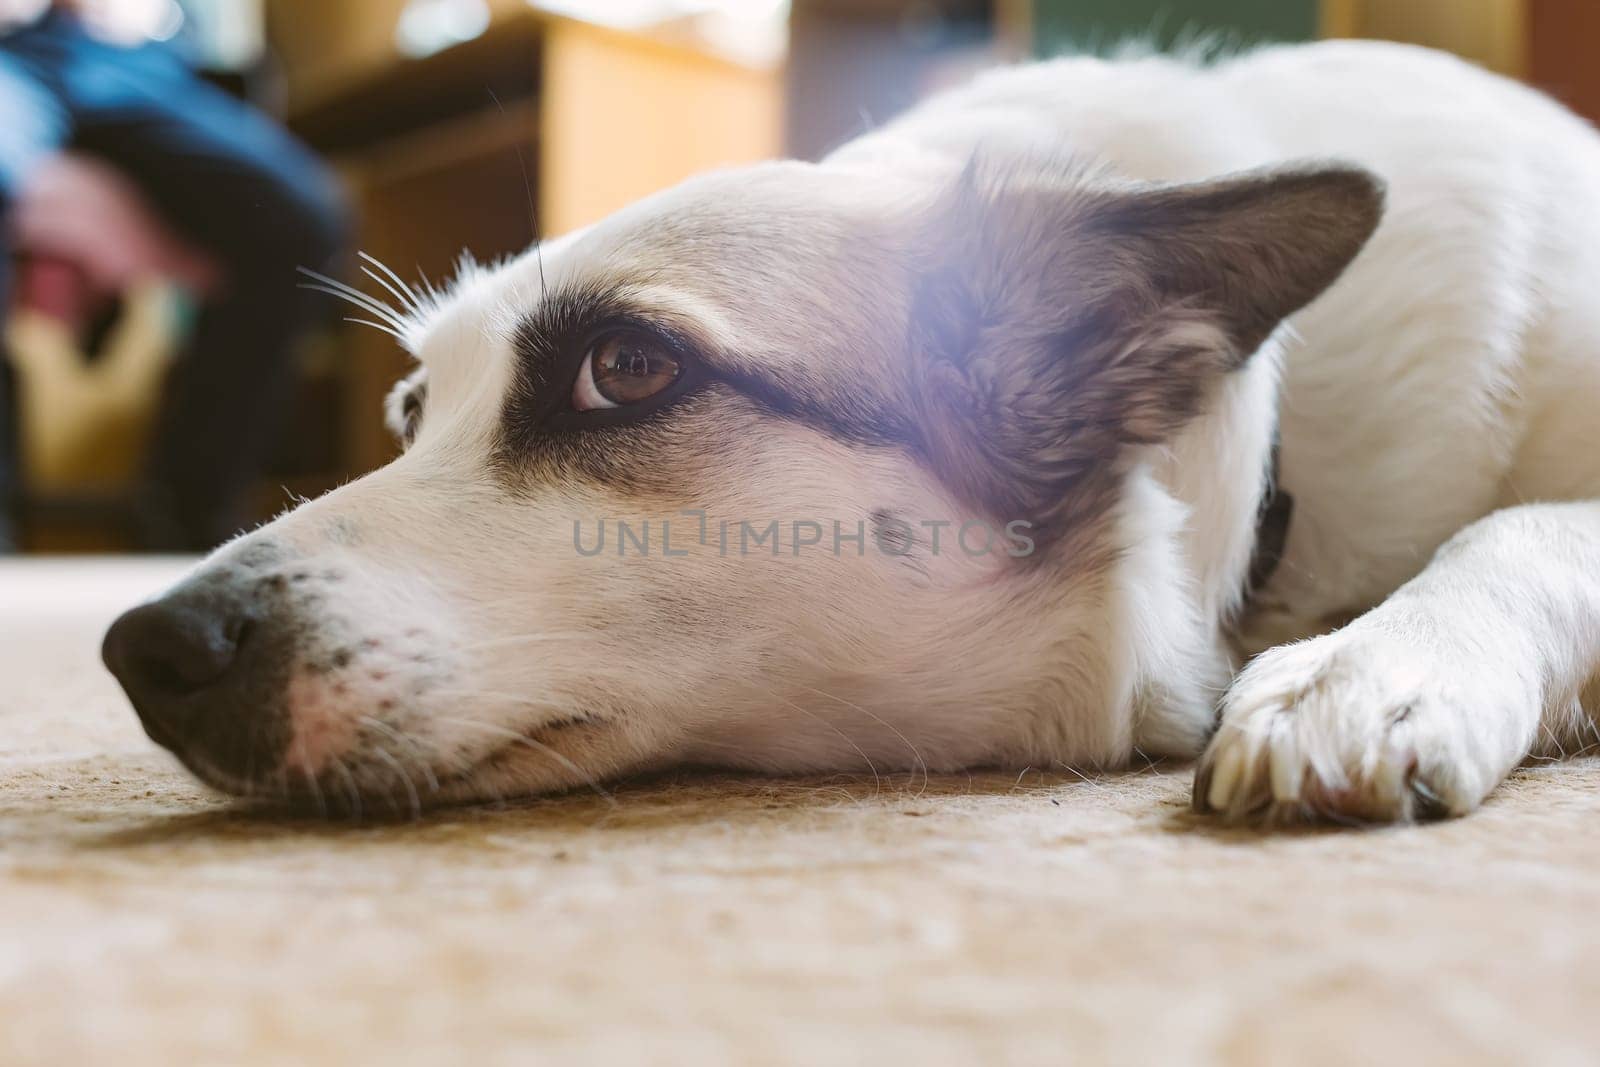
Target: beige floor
991, 918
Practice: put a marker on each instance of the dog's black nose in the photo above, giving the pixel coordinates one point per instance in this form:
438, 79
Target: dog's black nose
184, 661
171, 648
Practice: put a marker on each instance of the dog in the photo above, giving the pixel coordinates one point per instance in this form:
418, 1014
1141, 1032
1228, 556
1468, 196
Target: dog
1099, 411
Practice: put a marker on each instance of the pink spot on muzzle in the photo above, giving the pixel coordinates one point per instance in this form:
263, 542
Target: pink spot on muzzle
323, 724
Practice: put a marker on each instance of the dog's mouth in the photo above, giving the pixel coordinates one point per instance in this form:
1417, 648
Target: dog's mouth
541, 743
537, 739
369, 784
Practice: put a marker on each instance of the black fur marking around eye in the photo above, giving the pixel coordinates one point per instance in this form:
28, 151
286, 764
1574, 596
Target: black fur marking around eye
550, 344
849, 420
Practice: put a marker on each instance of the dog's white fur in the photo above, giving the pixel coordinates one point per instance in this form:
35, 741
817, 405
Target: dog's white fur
1441, 393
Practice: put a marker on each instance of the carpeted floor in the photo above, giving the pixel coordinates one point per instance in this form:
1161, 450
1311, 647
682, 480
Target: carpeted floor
1034, 918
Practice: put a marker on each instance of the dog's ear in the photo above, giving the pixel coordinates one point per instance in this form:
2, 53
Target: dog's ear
403, 407
1061, 322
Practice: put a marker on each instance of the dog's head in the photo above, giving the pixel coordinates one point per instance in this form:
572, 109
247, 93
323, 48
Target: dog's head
791, 467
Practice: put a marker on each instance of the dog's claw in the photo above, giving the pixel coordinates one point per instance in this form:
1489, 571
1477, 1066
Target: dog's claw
1200, 788
1287, 768
1224, 776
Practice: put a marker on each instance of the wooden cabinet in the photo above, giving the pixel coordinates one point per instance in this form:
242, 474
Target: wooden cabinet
1563, 43
1551, 44
1492, 33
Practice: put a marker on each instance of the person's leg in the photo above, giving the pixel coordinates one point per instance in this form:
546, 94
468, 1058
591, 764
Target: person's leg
231, 182
32, 127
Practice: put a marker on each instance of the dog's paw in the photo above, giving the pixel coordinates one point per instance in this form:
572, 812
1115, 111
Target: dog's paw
1351, 727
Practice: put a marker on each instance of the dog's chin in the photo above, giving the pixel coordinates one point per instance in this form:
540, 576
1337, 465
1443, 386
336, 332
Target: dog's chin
266, 790
364, 783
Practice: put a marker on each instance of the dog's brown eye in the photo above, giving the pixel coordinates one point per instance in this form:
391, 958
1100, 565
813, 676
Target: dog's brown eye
623, 368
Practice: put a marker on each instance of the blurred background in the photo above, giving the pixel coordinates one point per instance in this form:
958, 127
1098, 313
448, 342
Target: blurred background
166, 164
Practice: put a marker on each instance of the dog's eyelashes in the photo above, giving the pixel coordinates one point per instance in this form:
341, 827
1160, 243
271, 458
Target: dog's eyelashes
624, 367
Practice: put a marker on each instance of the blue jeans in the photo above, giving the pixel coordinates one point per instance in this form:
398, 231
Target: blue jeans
229, 181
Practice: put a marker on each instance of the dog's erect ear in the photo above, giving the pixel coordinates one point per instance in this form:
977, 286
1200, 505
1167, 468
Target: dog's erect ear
1249, 250
1064, 321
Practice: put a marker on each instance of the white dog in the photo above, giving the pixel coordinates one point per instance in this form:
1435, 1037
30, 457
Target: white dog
956, 448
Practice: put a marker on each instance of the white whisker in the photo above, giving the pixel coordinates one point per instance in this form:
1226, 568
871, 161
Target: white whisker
395, 285
915, 753
494, 694
351, 789
352, 295
523, 739
519, 639
410, 742
391, 331
877, 782
316, 791
321, 283
405, 779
